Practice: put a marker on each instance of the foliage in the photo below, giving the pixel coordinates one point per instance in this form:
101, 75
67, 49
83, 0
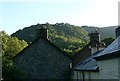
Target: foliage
105, 32
63, 35
108, 41
10, 47
69, 38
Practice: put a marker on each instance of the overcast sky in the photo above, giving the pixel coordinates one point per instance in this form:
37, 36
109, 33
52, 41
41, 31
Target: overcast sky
17, 15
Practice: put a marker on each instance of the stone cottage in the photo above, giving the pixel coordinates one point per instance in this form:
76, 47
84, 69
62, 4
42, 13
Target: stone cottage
102, 65
82, 61
43, 60
93, 46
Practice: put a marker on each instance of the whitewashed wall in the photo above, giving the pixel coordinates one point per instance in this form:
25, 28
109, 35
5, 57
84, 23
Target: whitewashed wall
76, 75
108, 69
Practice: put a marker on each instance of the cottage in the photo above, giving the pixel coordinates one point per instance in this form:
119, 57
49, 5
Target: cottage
42, 59
108, 60
94, 46
83, 60
103, 64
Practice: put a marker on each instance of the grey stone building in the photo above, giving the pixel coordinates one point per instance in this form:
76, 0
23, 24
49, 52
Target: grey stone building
93, 46
43, 60
102, 65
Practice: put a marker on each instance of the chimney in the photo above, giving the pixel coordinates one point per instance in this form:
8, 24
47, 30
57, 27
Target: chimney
94, 36
95, 39
117, 32
41, 32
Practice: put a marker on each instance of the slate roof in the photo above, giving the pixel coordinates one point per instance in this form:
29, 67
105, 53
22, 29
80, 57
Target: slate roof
88, 64
85, 52
113, 48
100, 44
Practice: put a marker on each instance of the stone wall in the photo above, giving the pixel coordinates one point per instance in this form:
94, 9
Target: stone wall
43, 61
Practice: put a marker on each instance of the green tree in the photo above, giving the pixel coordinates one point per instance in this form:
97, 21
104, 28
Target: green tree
10, 47
108, 41
62, 35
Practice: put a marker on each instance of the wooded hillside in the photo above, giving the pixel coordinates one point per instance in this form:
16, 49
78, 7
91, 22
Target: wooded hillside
69, 38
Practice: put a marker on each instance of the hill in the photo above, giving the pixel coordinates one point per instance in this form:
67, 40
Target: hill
69, 38
105, 32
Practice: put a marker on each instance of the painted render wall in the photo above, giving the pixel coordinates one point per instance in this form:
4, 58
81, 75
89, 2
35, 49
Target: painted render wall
108, 69
74, 75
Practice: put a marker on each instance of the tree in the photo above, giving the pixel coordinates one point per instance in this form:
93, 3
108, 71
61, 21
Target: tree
108, 41
10, 47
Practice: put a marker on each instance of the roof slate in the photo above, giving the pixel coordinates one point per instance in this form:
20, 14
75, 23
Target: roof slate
113, 47
91, 64
88, 64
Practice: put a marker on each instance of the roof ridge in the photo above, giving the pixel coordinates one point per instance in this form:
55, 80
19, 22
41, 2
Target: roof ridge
47, 41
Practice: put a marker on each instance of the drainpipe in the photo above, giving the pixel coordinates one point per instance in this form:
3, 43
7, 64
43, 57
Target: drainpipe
77, 75
83, 76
